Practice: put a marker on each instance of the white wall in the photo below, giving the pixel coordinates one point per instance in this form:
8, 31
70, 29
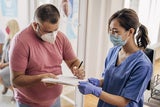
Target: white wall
97, 40
22, 15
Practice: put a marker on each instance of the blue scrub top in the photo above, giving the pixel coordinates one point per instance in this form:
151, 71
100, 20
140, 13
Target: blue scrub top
129, 79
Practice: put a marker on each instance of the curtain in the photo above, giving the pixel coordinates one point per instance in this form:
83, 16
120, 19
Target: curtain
97, 39
149, 14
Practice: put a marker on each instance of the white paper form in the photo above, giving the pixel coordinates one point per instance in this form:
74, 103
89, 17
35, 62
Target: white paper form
64, 80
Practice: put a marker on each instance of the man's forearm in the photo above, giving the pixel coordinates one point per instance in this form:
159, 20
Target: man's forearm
26, 80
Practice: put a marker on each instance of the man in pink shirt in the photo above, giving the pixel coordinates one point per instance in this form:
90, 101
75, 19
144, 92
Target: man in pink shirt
37, 52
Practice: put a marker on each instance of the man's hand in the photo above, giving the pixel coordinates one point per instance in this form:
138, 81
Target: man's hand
79, 72
49, 75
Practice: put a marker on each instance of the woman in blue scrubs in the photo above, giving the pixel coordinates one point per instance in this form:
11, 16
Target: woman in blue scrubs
127, 68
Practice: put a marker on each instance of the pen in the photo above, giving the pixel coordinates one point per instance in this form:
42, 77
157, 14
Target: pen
80, 64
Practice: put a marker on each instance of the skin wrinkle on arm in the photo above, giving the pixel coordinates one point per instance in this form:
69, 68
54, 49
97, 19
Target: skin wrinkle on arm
73, 65
21, 80
114, 99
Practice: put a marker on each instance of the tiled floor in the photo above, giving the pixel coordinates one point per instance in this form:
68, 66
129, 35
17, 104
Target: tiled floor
5, 100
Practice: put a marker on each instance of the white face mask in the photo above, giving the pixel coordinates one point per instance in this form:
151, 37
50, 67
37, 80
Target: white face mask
49, 37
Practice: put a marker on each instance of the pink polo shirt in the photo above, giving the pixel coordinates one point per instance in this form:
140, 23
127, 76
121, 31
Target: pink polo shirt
29, 54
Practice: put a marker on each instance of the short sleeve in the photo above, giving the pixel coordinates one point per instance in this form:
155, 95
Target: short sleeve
18, 55
68, 52
111, 54
137, 83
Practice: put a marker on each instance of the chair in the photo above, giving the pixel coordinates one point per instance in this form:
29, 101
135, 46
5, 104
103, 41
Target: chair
150, 53
154, 83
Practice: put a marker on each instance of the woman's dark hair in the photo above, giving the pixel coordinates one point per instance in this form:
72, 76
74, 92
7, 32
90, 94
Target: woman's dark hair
128, 18
47, 13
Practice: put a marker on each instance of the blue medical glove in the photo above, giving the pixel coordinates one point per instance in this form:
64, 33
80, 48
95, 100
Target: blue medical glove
94, 81
87, 88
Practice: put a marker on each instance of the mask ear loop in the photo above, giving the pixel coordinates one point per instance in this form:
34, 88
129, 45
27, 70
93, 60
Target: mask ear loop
55, 33
37, 28
37, 31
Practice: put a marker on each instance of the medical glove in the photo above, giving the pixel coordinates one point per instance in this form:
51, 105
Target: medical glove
87, 88
94, 81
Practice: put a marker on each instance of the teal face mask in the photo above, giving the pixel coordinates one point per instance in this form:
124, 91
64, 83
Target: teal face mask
117, 40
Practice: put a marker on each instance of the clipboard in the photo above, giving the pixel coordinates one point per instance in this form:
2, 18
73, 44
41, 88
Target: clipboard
64, 80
